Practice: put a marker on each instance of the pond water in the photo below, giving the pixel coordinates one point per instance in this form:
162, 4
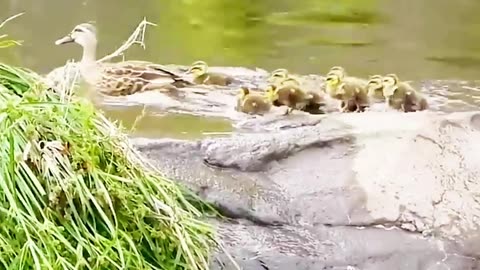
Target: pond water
418, 40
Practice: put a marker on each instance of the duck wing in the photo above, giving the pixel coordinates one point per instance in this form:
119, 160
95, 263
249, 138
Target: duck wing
147, 71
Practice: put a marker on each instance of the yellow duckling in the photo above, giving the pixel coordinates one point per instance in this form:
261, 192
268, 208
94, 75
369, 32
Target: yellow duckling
314, 99
402, 96
253, 103
201, 75
375, 87
288, 93
350, 91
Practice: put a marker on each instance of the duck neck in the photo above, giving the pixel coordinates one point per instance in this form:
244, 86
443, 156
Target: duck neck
89, 53
88, 64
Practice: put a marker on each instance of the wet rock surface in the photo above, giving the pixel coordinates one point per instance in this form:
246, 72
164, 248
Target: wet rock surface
377, 190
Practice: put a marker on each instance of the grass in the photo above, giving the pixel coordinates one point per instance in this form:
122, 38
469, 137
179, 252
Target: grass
75, 195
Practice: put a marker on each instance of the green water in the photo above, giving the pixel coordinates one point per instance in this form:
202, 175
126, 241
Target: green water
429, 39
418, 40
151, 124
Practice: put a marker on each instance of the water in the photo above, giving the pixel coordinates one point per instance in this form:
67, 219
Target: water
418, 40
149, 123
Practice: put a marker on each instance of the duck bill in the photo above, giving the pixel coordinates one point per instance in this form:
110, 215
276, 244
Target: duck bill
64, 40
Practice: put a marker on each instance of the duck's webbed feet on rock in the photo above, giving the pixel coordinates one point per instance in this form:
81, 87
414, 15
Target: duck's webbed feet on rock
288, 111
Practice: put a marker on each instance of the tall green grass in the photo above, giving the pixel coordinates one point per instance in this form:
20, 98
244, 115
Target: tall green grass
75, 195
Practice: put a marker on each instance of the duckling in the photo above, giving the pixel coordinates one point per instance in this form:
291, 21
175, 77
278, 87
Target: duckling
201, 75
350, 91
288, 93
253, 103
401, 95
375, 87
315, 99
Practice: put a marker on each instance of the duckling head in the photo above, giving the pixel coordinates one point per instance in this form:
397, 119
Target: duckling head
333, 82
389, 83
278, 74
290, 81
374, 83
84, 34
333, 79
339, 70
198, 68
244, 91
271, 92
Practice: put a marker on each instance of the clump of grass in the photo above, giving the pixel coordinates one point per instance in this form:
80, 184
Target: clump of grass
75, 195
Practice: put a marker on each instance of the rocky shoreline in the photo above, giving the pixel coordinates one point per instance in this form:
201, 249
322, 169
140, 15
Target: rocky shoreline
373, 190
337, 191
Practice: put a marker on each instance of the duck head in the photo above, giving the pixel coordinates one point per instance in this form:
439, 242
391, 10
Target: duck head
84, 34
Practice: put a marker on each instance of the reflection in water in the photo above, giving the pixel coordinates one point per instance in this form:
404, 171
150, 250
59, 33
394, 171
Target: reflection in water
147, 123
411, 38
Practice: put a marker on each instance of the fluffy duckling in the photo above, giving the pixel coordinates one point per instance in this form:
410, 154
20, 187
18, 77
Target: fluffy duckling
201, 75
253, 103
402, 96
315, 99
288, 93
375, 87
350, 91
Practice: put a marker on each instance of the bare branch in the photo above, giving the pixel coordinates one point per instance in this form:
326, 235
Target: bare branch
11, 18
137, 37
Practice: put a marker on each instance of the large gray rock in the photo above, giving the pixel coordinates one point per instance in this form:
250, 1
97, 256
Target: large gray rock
344, 191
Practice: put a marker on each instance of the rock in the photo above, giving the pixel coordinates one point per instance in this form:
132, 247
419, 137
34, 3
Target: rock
343, 191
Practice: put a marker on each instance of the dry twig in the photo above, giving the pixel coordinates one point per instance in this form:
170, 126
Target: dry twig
137, 37
11, 18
